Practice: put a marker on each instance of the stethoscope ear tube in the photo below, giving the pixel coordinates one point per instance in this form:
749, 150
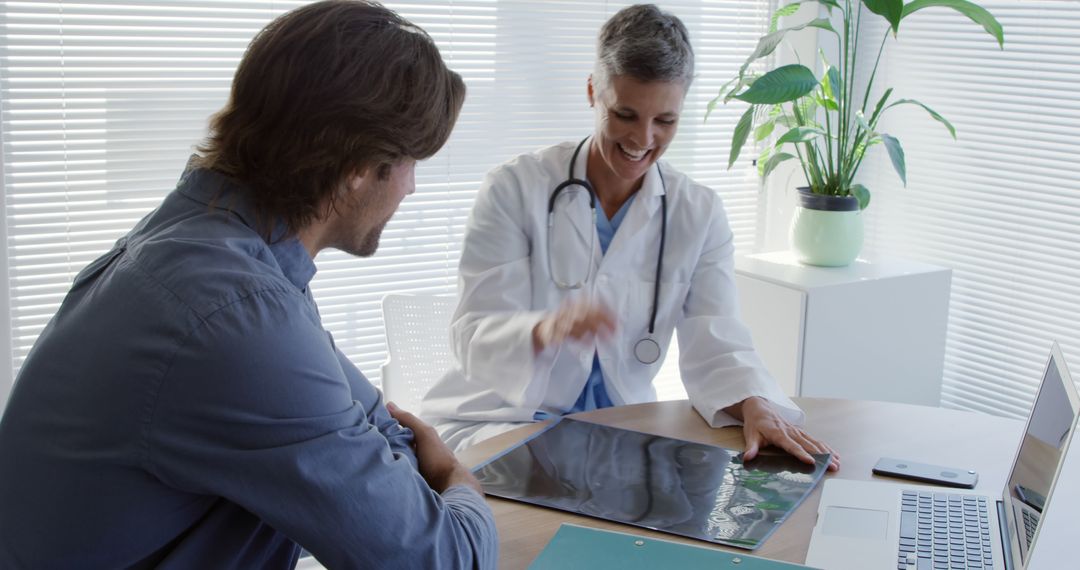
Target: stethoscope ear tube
571, 181
646, 350
566, 184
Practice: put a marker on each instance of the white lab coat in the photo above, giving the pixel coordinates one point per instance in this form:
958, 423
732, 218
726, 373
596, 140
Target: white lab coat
505, 288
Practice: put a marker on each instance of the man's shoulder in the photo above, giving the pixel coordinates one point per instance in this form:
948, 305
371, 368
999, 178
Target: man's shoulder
207, 261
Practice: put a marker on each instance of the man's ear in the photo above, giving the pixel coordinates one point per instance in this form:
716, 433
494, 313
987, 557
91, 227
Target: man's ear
345, 192
355, 179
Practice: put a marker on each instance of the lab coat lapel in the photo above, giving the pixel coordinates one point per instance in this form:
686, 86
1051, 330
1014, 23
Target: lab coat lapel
585, 224
645, 207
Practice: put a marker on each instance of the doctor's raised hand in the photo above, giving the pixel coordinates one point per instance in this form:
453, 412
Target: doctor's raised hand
564, 241
574, 320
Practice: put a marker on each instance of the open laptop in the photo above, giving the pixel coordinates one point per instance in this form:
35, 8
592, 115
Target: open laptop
868, 525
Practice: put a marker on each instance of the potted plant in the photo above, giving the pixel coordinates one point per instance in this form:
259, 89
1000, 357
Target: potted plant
827, 123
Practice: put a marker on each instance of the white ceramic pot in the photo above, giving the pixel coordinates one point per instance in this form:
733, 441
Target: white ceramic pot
826, 230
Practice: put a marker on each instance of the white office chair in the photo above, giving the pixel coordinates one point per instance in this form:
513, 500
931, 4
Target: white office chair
417, 345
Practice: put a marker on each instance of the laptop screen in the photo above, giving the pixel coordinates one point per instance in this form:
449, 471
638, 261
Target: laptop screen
1052, 418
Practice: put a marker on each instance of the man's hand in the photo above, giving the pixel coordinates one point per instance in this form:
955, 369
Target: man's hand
437, 463
763, 425
575, 320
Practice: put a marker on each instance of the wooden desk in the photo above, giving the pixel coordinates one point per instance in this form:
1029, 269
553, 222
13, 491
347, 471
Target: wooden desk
860, 431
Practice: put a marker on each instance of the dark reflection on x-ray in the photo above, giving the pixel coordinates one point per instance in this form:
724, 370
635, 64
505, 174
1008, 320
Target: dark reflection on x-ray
685, 488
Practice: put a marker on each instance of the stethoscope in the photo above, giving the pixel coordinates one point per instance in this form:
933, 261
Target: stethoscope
646, 350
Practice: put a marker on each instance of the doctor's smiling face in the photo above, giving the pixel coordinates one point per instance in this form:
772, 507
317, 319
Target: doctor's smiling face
635, 122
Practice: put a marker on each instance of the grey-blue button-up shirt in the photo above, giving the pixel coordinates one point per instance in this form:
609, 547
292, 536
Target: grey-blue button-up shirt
185, 408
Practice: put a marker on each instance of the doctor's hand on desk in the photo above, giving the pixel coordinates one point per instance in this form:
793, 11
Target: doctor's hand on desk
763, 425
437, 463
577, 320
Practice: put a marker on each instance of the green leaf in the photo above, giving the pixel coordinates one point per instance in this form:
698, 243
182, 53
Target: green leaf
738, 138
826, 88
836, 86
742, 81
780, 13
764, 130
769, 42
976, 13
859, 191
775, 161
880, 105
792, 8
892, 10
896, 155
819, 23
720, 95
860, 150
762, 158
780, 85
807, 108
800, 135
712, 105
787, 121
933, 113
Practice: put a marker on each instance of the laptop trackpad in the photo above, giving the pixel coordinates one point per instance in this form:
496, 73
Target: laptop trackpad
856, 523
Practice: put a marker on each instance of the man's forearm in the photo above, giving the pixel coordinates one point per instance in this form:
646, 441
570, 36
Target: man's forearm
461, 476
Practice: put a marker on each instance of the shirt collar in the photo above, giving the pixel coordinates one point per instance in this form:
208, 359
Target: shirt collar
217, 191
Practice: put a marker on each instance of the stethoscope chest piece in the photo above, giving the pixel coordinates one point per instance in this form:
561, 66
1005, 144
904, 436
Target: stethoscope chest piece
647, 351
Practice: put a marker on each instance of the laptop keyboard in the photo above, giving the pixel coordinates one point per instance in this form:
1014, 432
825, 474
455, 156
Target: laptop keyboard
944, 531
1031, 521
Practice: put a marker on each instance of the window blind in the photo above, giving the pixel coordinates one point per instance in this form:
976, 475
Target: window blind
102, 101
1001, 204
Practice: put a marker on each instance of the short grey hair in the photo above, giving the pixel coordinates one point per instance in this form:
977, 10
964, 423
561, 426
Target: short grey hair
645, 43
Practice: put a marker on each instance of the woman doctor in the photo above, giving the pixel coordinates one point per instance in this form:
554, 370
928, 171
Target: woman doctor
569, 296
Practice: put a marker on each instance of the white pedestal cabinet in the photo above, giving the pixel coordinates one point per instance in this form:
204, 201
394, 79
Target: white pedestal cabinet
869, 331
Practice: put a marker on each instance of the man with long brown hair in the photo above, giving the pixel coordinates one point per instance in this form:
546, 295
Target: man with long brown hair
185, 407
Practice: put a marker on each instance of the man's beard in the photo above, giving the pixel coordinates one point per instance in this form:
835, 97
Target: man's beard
366, 245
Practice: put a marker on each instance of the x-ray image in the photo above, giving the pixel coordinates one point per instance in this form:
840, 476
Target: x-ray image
670, 485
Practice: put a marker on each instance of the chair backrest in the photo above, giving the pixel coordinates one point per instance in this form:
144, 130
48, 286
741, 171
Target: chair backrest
417, 345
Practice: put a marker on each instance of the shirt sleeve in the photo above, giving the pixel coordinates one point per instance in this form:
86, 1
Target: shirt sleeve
492, 327
398, 437
717, 360
257, 408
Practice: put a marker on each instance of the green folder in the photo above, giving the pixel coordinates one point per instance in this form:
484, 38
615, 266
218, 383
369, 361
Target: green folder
575, 547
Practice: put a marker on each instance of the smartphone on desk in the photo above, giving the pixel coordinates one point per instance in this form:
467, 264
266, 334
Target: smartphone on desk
926, 473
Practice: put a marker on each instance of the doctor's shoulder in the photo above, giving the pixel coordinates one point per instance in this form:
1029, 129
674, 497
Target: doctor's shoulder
692, 202
531, 172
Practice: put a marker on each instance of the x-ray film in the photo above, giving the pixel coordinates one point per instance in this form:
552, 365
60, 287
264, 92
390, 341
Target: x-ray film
670, 485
